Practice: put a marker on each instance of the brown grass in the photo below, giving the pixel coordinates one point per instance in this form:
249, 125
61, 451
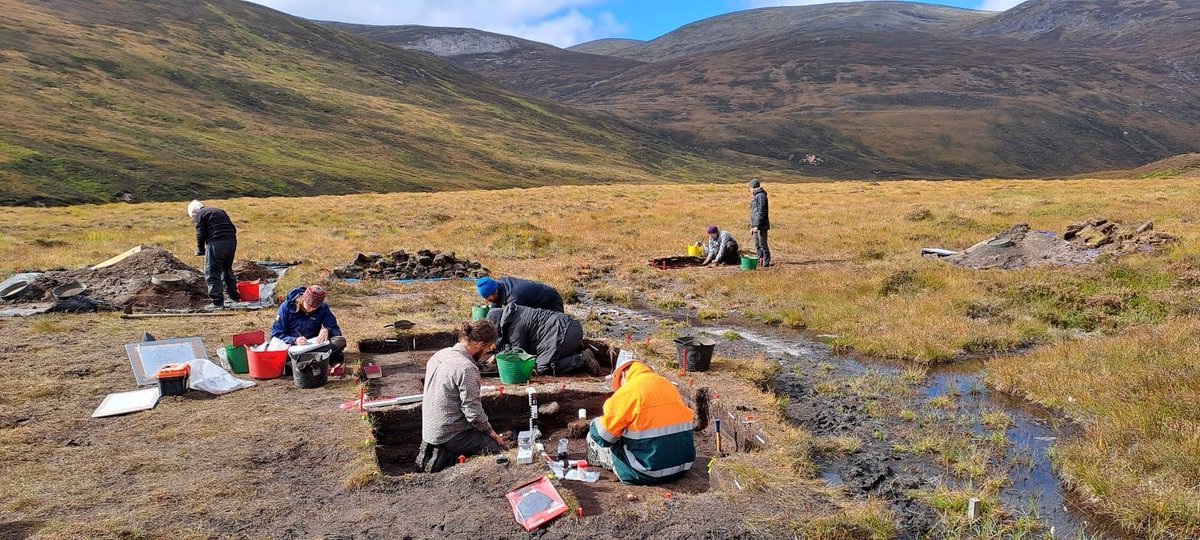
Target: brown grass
837, 245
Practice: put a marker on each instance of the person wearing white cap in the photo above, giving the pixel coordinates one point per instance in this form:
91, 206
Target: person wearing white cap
216, 241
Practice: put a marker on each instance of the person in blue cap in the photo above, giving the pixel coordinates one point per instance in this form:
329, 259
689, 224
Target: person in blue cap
522, 292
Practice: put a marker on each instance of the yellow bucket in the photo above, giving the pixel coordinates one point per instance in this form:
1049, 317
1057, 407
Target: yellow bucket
695, 251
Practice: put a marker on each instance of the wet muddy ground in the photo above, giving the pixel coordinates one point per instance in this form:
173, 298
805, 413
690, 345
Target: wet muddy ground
909, 430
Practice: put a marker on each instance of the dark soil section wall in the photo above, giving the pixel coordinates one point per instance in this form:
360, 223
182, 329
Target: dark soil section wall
398, 432
407, 342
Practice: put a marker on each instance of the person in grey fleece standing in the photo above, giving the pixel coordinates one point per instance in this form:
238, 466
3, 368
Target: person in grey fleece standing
760, 222
452, 417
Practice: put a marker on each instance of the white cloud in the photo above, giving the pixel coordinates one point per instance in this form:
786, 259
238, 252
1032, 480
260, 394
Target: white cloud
558, 22
999, 5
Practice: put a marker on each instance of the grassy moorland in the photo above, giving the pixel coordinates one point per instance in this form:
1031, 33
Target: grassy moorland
1112, 343
159, 101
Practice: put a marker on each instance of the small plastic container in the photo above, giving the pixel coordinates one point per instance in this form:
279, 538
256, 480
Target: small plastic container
173, 379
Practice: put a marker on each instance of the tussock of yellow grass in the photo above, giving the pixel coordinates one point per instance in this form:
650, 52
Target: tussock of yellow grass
1138, 394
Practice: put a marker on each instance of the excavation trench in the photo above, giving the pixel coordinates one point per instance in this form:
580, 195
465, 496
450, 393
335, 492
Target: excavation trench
398, 432
878, 468
397, 428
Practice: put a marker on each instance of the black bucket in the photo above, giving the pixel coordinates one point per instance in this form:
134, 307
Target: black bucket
310, 370
694, 353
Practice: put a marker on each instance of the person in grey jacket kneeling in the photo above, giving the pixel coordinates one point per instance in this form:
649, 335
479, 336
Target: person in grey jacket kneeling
453, 422
720, 248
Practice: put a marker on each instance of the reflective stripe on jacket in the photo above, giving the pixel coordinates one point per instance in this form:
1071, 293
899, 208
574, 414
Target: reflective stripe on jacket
648, 427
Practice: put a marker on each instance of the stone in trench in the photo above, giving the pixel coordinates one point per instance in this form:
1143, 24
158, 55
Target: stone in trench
425, 260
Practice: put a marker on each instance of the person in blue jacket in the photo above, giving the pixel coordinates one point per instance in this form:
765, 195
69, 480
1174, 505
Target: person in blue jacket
522, 292
305, 318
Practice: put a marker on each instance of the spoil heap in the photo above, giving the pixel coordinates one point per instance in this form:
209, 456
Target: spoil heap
249, 271
1115, 237
424, 264
128, 283
1020, 247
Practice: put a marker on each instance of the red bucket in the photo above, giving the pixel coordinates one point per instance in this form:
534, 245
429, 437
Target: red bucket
266, 364
248, 290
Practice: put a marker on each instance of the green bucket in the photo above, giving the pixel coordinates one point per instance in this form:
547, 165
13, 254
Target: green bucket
479, 312
515, 366
237, 359
749, 262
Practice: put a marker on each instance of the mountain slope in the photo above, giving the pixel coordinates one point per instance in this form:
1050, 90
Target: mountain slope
1052, 87
607, 46
741, 28
1125, 23
521, 64
912, 104
110, 99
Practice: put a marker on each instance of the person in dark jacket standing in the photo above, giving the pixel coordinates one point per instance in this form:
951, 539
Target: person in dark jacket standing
216, 240
305, 318
556, 339
523, 292
760, 222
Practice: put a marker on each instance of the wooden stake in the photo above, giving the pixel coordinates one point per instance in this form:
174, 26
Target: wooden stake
164, 315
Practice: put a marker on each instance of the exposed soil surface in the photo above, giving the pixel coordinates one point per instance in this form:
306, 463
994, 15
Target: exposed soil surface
668, 263
128, 283
397, 432
1020, 247
247, 270
424, 264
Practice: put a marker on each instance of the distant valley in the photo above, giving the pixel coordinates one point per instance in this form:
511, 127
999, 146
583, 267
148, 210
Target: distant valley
885, 89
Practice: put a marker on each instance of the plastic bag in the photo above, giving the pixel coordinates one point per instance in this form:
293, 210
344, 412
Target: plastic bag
209, 377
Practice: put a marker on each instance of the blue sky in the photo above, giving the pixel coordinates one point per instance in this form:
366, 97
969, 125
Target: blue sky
558, 22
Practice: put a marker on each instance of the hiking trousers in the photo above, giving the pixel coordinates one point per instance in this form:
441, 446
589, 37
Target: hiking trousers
218, 271
568, 355
763, 251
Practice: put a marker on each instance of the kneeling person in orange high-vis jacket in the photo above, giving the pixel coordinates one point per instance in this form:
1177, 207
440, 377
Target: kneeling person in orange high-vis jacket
647, 426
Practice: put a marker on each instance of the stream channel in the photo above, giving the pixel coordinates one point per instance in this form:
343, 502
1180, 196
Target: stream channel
1033, 488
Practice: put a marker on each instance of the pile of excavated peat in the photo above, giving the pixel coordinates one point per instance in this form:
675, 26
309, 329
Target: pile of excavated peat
424, 264
1115, 237
249, 271
128, 282
1020, 247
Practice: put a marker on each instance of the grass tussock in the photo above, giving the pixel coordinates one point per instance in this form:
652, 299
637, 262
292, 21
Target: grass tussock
1137, 395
